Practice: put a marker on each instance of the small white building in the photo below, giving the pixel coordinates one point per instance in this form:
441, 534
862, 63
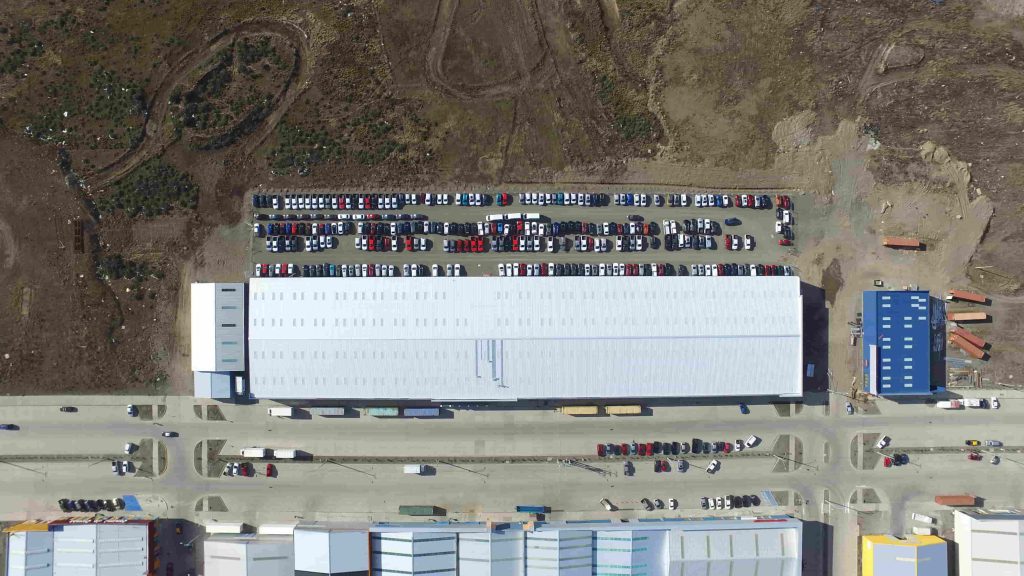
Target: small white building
249, 555
218, 337
989, 542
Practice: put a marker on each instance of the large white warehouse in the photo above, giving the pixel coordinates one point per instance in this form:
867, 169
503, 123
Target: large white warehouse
506, 339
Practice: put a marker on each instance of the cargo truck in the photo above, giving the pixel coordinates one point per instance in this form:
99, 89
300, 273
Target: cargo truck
901, 242
421, 412
578, 410
956, 500
413, 469
966, 316
530, 509
254, 452
949, 404
632, 410
285, 453
382, 411
420, 510
966, 296
281, 411
974, 402
328, 411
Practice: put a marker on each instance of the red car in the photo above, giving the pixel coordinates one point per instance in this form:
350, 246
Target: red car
650, 448
721, 269
726, 447
625, 449
642, 449
887, 462
974, 456
408, 243
600, 450
270, 470
785, 242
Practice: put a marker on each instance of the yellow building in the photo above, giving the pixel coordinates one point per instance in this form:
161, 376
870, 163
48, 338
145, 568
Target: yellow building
910, 555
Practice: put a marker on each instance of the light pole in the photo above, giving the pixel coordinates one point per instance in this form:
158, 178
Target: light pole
795, 461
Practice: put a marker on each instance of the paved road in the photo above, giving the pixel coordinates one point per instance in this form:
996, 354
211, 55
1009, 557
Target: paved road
835, 454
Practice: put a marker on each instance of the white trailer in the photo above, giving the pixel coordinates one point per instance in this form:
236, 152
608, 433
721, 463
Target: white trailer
974, 402
949, 404
413, 469
286, 453
223, 527
281, 411
254, 452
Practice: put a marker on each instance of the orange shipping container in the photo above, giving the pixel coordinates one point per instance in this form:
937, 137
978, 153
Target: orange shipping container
967, 347
956, 500
969, 336
966, 316
900, 242
968, 296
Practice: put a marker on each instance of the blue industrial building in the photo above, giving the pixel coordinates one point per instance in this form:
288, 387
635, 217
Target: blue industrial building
903, 343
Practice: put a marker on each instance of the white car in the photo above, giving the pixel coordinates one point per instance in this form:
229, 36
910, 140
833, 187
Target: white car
607, 504
749, 242
778, 227
883, 442
435, 269
673, 504
129, 448
715, 466
750, 442
787, 217
994, 402
131, 410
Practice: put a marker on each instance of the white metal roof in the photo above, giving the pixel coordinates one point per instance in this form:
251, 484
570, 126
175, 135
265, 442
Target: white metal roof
494, 338
218, 327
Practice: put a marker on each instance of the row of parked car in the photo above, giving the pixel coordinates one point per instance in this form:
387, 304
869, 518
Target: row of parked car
374, 243
122, 467
300, 243
83, 505
698, 446
562, 199
304, 229
284, 270
692, 226
342, 216
729, 502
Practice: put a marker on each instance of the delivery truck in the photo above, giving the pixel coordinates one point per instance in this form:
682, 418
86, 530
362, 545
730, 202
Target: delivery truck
949, 404
413, 469
285, 453
281, 411
254, 452
579, 410
956, 500
966, 296
420, 510
974, 402
421, 412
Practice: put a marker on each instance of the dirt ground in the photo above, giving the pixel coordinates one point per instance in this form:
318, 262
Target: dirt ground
884, 117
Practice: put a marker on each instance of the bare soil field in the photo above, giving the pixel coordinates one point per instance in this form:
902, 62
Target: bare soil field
147, 122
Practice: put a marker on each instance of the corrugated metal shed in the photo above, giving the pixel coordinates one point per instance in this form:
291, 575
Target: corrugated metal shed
493, 338
897, 342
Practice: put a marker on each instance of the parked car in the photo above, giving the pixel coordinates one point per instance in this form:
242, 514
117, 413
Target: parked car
647, 504
883, 442
169, 434
849, 408
972, 442
132, 410
714, 466
974, 456
68, 409
607, 504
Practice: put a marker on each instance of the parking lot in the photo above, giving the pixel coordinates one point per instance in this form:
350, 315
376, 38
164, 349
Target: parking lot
553, 239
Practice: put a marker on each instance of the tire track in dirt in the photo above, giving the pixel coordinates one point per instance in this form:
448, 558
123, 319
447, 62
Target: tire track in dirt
155, 136
527, 77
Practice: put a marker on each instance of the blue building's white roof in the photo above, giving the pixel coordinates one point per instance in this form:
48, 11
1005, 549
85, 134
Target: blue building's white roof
494, 338
897, 342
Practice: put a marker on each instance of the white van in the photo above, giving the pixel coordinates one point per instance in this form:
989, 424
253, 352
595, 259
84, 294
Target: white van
413, 469
922, 518
924, 531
